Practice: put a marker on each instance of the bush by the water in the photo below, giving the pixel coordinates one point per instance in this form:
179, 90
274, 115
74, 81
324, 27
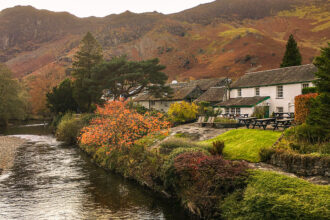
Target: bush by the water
119, 126
68, 129
204, 180
168, 167
273, 196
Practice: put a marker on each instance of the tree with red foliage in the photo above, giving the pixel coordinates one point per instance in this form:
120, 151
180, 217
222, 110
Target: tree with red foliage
118, 126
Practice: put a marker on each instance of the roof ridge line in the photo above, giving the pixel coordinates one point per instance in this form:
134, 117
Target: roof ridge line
281, 68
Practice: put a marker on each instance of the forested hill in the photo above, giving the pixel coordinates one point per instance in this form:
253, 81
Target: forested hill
222, 38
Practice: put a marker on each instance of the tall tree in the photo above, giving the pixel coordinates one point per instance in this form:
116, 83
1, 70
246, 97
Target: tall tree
292, 56
129, 78
12, 98
88, 56
60, 99
320, 108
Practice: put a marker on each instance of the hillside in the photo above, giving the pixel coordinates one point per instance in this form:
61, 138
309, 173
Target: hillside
222, 38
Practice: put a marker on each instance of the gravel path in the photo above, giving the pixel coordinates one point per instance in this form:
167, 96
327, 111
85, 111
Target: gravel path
8, 146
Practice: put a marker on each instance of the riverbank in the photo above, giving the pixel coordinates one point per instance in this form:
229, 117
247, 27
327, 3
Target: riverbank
207, 178
8, 147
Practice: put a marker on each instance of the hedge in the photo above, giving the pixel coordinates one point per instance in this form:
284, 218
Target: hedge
301, 107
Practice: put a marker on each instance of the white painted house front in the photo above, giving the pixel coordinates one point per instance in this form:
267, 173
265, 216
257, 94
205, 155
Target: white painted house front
280, 85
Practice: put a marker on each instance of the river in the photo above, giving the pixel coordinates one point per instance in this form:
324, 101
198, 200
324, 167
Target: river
50, 180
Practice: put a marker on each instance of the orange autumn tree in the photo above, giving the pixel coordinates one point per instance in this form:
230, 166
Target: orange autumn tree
119, 126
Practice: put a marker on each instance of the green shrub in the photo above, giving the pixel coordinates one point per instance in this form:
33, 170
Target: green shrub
266, 153
273, 196
169, 145
68, 129
217, 148
260, 111
309, 90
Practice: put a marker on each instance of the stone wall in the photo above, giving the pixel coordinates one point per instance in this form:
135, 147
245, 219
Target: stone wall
303, 165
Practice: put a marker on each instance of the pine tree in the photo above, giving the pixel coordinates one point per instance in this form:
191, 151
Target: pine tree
292, 56
60, 99
88, 56
319, 114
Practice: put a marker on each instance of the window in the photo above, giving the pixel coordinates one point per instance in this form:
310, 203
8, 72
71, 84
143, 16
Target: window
227, 110
257, 91
279, 92
239, 92
305, 85
279, 109
232, 110
152, 102
238, 111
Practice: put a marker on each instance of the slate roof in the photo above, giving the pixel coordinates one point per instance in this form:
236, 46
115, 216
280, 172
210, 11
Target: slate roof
243, 101
205, 84
213, 94
288, 75
179, 93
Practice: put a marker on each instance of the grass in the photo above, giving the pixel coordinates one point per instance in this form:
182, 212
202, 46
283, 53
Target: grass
274, 196
238, 31
245, 144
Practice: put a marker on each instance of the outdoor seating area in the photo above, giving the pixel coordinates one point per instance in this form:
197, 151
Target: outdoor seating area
280, 120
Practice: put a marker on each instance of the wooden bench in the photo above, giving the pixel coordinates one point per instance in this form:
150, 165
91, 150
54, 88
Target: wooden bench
201, 120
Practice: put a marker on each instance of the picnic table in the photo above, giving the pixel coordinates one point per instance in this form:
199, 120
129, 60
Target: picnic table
285, 123
281, 115
246, 121
264, 122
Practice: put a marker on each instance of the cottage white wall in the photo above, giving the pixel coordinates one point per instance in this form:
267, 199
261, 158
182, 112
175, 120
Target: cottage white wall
290, 91
144, 104
162, 105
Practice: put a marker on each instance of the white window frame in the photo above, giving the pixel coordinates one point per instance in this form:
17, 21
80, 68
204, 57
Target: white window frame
227, 110
279, 107
239, 92
257, 91
232, 111
238, 111
279, 92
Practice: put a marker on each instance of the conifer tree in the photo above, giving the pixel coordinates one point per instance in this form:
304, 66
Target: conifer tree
320, 107
88, 56
292, 56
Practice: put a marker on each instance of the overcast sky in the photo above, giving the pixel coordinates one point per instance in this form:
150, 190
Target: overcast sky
100, 8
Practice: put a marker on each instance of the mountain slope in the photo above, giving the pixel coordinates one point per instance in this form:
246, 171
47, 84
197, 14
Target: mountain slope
222, 38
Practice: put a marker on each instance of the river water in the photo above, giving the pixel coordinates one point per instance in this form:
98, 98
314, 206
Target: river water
52, 181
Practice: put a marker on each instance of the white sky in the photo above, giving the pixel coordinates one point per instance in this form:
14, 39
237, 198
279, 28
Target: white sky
101, 8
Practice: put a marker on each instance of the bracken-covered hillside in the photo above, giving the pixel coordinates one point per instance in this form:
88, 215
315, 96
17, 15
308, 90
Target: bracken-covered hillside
222, 38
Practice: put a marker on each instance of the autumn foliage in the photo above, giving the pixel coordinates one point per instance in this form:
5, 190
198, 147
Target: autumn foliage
183, 112
301, 107
118, 126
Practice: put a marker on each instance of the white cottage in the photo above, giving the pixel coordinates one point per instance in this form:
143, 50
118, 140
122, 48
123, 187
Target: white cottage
275, 88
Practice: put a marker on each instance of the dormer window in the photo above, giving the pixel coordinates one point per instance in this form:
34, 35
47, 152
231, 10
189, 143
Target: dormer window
239, 92
257, 91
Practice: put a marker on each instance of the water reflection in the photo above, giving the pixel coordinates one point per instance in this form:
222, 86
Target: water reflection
52, 181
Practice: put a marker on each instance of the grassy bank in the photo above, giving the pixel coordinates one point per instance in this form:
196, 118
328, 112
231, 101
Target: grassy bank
245, 144
210, 186
269, 195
